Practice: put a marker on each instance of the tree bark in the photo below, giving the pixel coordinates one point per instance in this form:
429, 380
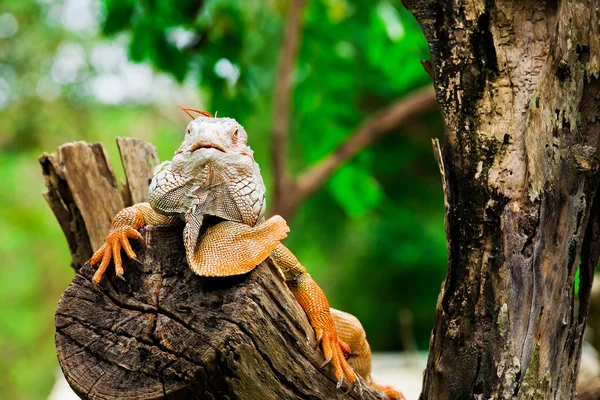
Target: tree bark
165, 332
517, 83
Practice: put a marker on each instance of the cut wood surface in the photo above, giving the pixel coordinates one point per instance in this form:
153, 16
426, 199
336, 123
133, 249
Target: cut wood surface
165, 332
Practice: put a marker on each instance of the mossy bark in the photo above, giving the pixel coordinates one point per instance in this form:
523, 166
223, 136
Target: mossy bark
517, 83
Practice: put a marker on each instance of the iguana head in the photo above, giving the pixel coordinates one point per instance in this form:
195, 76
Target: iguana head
212, 173
221, 134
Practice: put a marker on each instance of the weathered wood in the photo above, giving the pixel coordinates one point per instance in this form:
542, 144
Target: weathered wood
517, 83
93, 185
167, 333
83, 195
139, 159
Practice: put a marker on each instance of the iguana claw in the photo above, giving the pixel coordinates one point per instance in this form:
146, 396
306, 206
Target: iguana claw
116, 240
326, 363
319, 340
137, 260
124, 227
351, 387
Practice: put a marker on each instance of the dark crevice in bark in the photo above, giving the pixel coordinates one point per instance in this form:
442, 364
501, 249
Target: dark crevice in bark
284, 381
483, 42
162, 382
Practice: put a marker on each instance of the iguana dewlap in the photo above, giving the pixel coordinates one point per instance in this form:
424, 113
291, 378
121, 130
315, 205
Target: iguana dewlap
214, 174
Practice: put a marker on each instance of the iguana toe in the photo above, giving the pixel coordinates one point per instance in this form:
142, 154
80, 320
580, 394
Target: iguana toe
389, 391
124, 227
334, 353
117, 240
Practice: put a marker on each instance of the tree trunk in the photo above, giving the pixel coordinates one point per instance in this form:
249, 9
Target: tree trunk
517, 83
165, 332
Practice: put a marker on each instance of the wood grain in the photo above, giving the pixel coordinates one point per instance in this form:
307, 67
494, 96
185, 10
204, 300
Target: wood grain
139, 159
83, 195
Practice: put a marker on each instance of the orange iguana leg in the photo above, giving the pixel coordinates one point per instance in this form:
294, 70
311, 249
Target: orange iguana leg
231, 248
350, 330
389, 391
125, 226
315, 305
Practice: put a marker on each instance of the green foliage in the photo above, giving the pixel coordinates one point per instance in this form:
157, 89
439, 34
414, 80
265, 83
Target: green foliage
118, 15
369, 68
372, 237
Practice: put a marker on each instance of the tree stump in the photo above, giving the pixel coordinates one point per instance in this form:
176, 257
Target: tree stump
165, 333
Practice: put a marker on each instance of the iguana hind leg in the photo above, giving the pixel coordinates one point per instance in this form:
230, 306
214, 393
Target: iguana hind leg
315, 305
350, 330
231, 248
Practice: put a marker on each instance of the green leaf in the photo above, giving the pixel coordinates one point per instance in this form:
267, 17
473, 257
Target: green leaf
143, 41
355, 190
170, 59
118, 15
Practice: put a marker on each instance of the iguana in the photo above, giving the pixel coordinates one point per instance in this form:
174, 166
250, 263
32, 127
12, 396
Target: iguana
213, 174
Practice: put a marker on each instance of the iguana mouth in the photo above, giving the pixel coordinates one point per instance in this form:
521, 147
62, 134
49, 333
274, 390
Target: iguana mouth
204, 144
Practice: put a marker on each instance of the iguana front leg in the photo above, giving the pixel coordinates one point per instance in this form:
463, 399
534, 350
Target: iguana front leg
125, 226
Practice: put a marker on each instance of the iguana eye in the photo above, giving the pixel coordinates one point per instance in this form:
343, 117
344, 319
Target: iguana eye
234, 135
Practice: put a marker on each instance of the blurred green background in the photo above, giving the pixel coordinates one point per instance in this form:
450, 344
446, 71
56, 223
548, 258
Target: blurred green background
92, 70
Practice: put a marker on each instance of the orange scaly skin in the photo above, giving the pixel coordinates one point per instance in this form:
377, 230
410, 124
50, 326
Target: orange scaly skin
230, 248
125, 226
350, 330
315, 304
389, 391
